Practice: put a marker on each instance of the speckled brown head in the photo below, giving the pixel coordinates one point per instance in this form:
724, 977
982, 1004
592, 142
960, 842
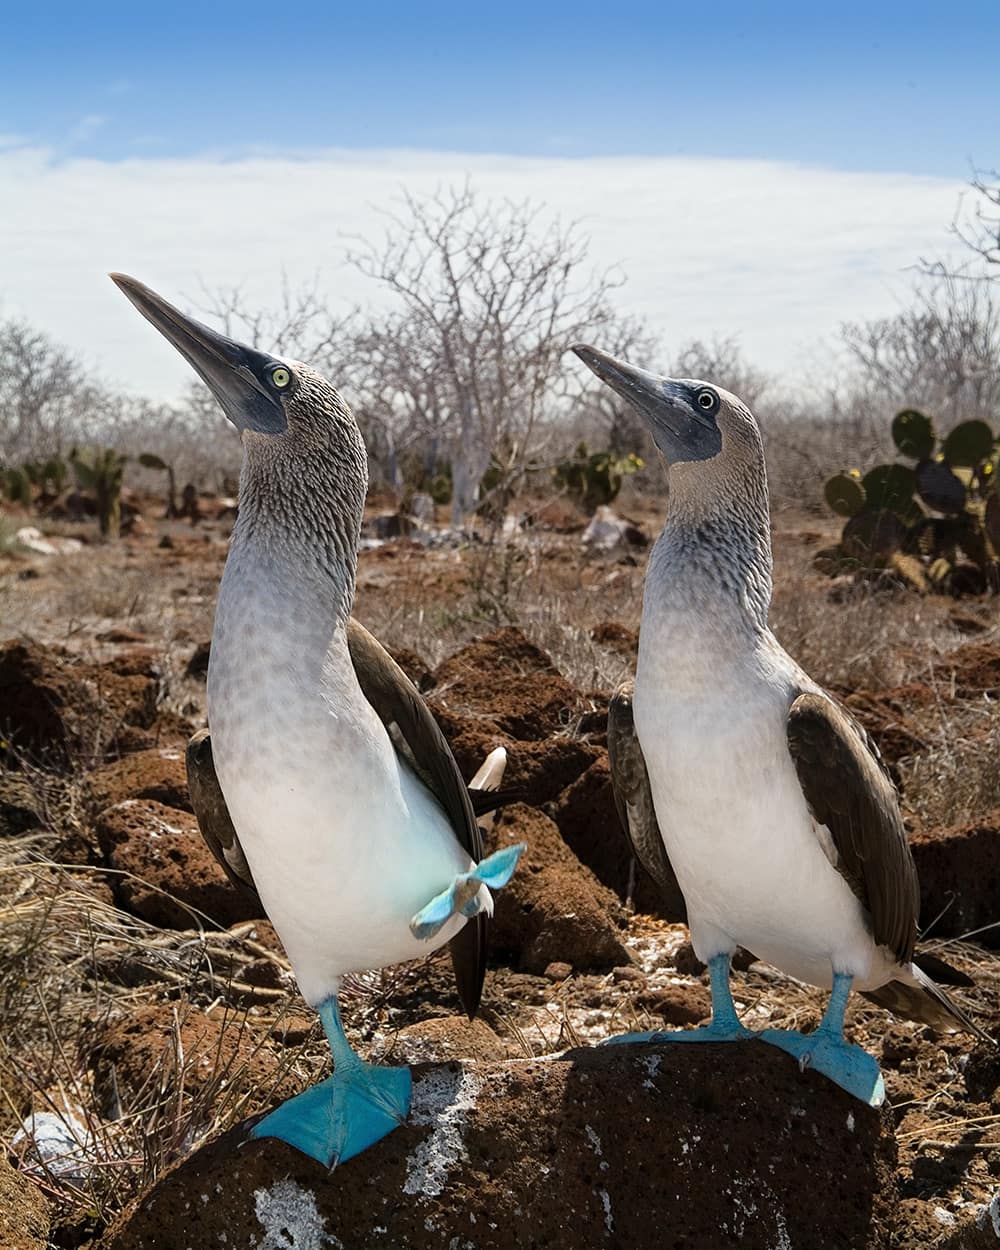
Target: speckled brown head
305, 469
717, 520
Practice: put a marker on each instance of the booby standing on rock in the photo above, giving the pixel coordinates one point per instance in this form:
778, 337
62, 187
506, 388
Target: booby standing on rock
327, 786
735, 771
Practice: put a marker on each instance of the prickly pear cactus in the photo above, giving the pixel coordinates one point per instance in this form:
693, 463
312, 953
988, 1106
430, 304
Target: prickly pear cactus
927, 522
150, 460
592, 479
100, 471
17, 486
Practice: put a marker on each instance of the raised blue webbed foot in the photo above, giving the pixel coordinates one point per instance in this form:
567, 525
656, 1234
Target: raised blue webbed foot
725, 1025
349, 1111
463, 893
847, 1065
343, 1115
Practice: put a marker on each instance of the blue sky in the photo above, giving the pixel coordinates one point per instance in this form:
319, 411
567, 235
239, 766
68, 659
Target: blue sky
762, 170
903, 87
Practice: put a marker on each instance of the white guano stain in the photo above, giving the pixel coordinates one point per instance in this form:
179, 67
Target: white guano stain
441, 1098
290, 1219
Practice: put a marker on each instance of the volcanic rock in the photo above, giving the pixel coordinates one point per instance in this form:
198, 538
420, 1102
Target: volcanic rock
587, 818
701, 1147
554, 909
156, 774
57, 705
444, 1039
959, 869
163, 1048
24, 1213
166, 867
511, 682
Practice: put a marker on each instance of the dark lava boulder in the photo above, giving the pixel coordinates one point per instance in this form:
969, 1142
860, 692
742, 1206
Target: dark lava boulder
553, 909
166, 868
644, 1148
57, 706
959, 869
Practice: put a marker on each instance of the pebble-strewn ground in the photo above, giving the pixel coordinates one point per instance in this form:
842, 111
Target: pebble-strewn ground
124, 1007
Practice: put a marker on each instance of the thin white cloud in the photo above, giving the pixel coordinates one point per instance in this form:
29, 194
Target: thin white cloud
778, 254
86, 128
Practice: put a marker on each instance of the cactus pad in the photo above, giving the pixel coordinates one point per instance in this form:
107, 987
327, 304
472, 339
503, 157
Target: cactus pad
913, 434
890, 488
968, 444
873, 537
845, 494
939, 487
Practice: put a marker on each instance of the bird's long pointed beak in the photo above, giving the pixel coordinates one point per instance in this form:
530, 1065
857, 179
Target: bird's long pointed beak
679, 430
233, 372
632, 383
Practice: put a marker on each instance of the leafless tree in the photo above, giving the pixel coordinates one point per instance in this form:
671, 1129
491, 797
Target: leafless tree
943, 353
299, 326
45, 394
488, 299
600, 413
976, 225
721, 360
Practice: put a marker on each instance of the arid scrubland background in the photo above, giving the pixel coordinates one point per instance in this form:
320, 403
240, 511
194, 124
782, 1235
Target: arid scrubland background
512, 505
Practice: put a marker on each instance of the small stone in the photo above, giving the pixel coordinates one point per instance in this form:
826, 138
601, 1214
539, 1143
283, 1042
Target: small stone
627, 973
558, 971
687, 962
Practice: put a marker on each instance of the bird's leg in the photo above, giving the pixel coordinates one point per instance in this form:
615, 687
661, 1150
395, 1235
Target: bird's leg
463, 895
725, 1025
349, 1111
845, 1064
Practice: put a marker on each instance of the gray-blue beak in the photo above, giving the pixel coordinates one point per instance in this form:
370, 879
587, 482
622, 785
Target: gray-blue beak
679, 428
236, 375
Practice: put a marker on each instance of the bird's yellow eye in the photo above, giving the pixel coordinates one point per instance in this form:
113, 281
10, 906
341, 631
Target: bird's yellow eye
280, 377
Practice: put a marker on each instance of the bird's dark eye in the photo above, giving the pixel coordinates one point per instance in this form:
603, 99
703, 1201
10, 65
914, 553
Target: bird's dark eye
708, 400
280, 377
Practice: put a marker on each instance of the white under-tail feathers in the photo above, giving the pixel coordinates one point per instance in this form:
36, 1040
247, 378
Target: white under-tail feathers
490, 777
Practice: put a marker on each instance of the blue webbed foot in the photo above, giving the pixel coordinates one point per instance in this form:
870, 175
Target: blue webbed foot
724, 1027
845, 1064
343, 1115
463, 894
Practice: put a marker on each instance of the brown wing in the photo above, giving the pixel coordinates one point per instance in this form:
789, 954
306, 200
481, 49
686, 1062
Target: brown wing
416, 734
213, 815
633, 797
848, 792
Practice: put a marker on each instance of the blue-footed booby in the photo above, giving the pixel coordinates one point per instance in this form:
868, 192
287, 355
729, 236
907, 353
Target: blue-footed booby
736, 772
327, 786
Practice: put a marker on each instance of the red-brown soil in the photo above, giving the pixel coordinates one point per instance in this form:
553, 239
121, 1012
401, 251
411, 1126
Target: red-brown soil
107, 712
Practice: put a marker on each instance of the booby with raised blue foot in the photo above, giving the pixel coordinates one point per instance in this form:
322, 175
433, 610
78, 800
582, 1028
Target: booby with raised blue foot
736, 772
326, 786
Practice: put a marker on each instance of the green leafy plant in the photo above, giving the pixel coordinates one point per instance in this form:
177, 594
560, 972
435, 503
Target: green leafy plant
594, 478
100, 472
936, 523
